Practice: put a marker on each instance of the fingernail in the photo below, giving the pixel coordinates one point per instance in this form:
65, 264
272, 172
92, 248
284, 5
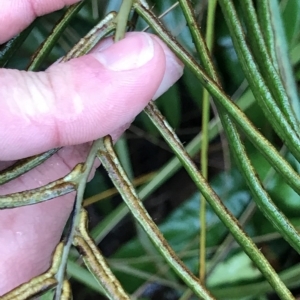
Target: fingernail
130, 53
174, 70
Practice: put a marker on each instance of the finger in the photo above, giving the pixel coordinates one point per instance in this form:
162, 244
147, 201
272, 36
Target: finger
83, 99
16, 15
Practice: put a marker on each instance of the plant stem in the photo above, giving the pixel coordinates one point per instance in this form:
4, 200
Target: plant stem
262, 198
49, 191
225, 216
49, 43
24, 165
166, 172
122, 19
264, 146
75, 218
264, 19
110, 161
265, 63
9, 48
42, 282
95, 261
285, 128
205, 143
282, 54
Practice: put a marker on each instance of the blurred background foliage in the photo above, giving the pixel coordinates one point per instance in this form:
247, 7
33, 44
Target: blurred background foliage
174, 203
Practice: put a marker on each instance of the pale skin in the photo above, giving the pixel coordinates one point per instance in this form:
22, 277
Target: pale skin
67, 106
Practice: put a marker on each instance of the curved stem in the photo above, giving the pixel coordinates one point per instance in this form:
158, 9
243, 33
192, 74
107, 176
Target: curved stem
96, 262
42, 282
49, 191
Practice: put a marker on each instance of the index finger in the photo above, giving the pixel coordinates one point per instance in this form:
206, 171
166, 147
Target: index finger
16, 15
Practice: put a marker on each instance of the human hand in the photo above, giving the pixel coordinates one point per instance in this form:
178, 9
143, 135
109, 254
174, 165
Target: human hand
70, 104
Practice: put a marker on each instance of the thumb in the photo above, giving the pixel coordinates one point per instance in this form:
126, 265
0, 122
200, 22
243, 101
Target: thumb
83, 99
